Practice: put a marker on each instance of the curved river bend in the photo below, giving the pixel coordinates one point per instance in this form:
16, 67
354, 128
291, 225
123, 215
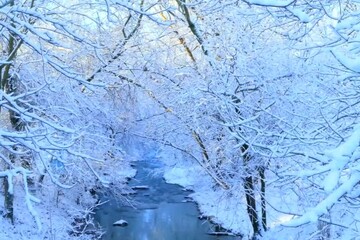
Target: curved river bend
160, 212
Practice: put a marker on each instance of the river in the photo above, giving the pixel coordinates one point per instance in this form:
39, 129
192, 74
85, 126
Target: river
159, 211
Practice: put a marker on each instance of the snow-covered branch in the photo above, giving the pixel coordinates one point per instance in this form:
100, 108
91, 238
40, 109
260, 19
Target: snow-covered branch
270, 3
339, 158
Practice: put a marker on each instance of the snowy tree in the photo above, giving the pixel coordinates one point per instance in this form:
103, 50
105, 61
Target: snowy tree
322, 31
51, 115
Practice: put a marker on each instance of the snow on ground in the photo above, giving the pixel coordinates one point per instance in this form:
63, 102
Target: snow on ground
57, 210
228, 207
220, 206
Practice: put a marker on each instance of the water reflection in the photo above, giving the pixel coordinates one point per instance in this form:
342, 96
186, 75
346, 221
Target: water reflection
160, 214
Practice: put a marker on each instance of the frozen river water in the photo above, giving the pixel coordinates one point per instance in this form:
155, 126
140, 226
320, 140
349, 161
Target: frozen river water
160, 213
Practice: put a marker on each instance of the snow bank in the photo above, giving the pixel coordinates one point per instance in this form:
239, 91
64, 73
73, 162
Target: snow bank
60, 211
224, 207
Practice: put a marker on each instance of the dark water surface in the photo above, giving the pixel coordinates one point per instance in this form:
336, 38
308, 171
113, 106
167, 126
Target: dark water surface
160, 212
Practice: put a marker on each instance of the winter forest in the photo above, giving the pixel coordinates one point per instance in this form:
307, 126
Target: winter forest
249, 103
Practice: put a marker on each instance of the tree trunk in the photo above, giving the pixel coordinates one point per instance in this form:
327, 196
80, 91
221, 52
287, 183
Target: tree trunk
262, 196
251, 204
7, 86
249, 191
9, 201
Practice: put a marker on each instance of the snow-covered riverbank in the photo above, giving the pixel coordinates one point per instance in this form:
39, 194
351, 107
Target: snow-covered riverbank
228, 207
214, 203
63, 213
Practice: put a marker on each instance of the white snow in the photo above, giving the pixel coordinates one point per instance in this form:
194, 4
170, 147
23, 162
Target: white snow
347, 23
120, 223
271, 3
300, 14
215, 204
340, 157
351, 63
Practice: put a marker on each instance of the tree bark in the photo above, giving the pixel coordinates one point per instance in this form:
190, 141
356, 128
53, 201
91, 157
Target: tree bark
262, 197
9, 201
251, 204
185, 11
8, 85
250, 191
